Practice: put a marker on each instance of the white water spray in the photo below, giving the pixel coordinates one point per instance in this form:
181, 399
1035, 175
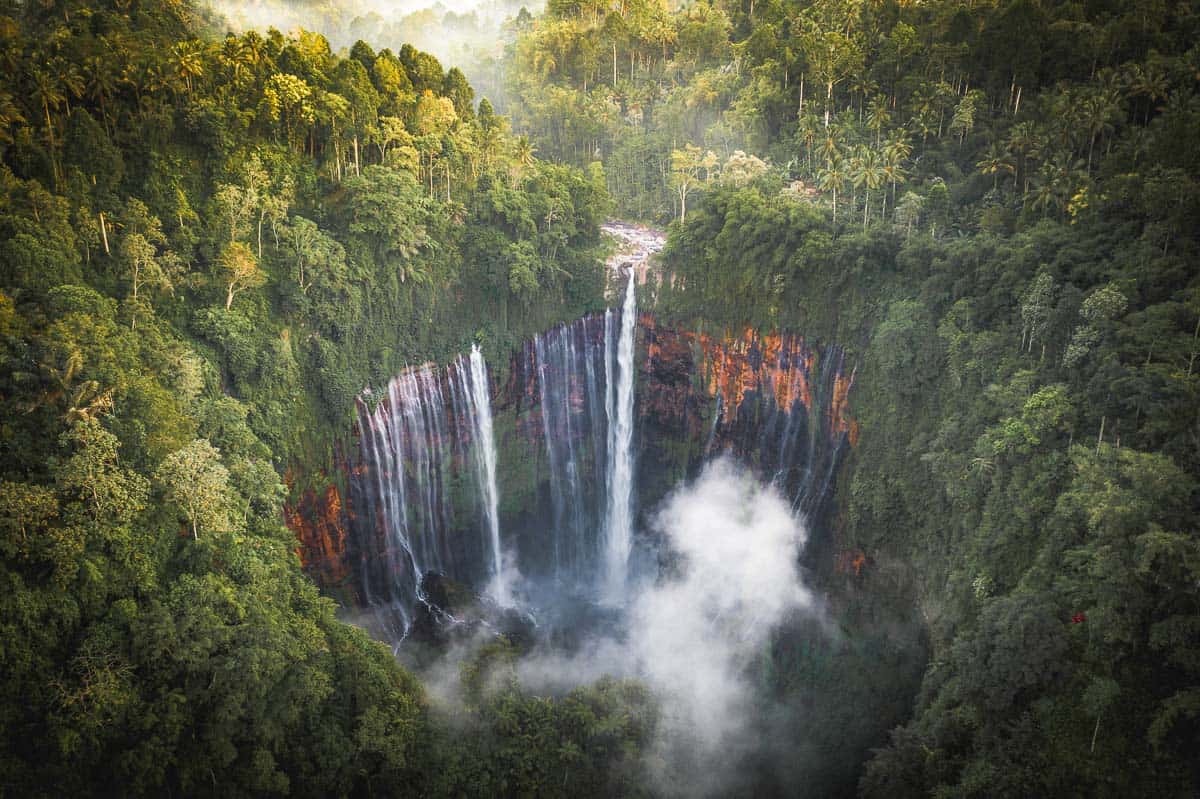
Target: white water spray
619, 532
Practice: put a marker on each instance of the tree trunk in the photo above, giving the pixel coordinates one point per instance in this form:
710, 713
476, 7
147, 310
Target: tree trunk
229, 297
1192, 359
50, 132
104, 233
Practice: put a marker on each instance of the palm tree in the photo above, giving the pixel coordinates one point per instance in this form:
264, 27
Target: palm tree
523, 157
236, 60
10, 116
49, 96
70, 82
878, 116
898, 149
84, 400
894, 173
154, 81
1025, 142
831, 179
1043, 195
829, 149
99, 85
923, 123
88, 401
895, 153
1058, 181
866, 170
188, 62
997, 159
807, 127
1099, 110
254, 51
862, 86
1148, 81
1111, 81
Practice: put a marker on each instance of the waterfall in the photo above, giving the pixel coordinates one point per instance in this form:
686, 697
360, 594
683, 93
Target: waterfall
778, 406
619, 518
564, 363
414, 452
425, 496
585, 396
477, 394
397, 439
545, 392
425, 492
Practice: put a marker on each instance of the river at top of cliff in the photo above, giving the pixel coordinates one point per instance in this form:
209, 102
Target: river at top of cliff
637, 245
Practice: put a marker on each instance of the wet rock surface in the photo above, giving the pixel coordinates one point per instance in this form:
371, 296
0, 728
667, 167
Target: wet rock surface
453, 613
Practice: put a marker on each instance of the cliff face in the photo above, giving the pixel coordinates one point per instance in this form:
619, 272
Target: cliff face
322, 521
684, 370
776, 402
319, 520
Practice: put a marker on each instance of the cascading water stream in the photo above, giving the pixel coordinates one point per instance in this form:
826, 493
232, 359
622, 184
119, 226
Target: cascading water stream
479, 397
619, 516
415, 449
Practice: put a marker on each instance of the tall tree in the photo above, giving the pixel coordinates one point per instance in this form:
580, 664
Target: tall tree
195, 481
239, 270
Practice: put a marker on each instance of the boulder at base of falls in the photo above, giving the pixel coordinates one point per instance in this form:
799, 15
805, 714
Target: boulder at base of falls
452, 613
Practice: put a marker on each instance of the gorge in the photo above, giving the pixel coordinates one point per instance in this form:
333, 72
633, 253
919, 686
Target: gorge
620, 399
594, 422
623, 497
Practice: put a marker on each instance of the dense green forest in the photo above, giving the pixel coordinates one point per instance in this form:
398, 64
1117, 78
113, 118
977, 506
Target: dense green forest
1004, 230
210, 245
212, 241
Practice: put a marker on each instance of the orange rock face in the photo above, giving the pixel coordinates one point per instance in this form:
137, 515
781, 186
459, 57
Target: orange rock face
321, 524
776, 365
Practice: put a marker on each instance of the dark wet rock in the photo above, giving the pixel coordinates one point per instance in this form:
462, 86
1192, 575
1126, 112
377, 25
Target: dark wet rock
452, 613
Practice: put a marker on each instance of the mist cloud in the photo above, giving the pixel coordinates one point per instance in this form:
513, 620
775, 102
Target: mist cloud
693, 635
468, 34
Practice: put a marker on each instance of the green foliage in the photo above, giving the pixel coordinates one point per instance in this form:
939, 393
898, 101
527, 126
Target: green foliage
209, 245
196, 483
588, 742
1026, 380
